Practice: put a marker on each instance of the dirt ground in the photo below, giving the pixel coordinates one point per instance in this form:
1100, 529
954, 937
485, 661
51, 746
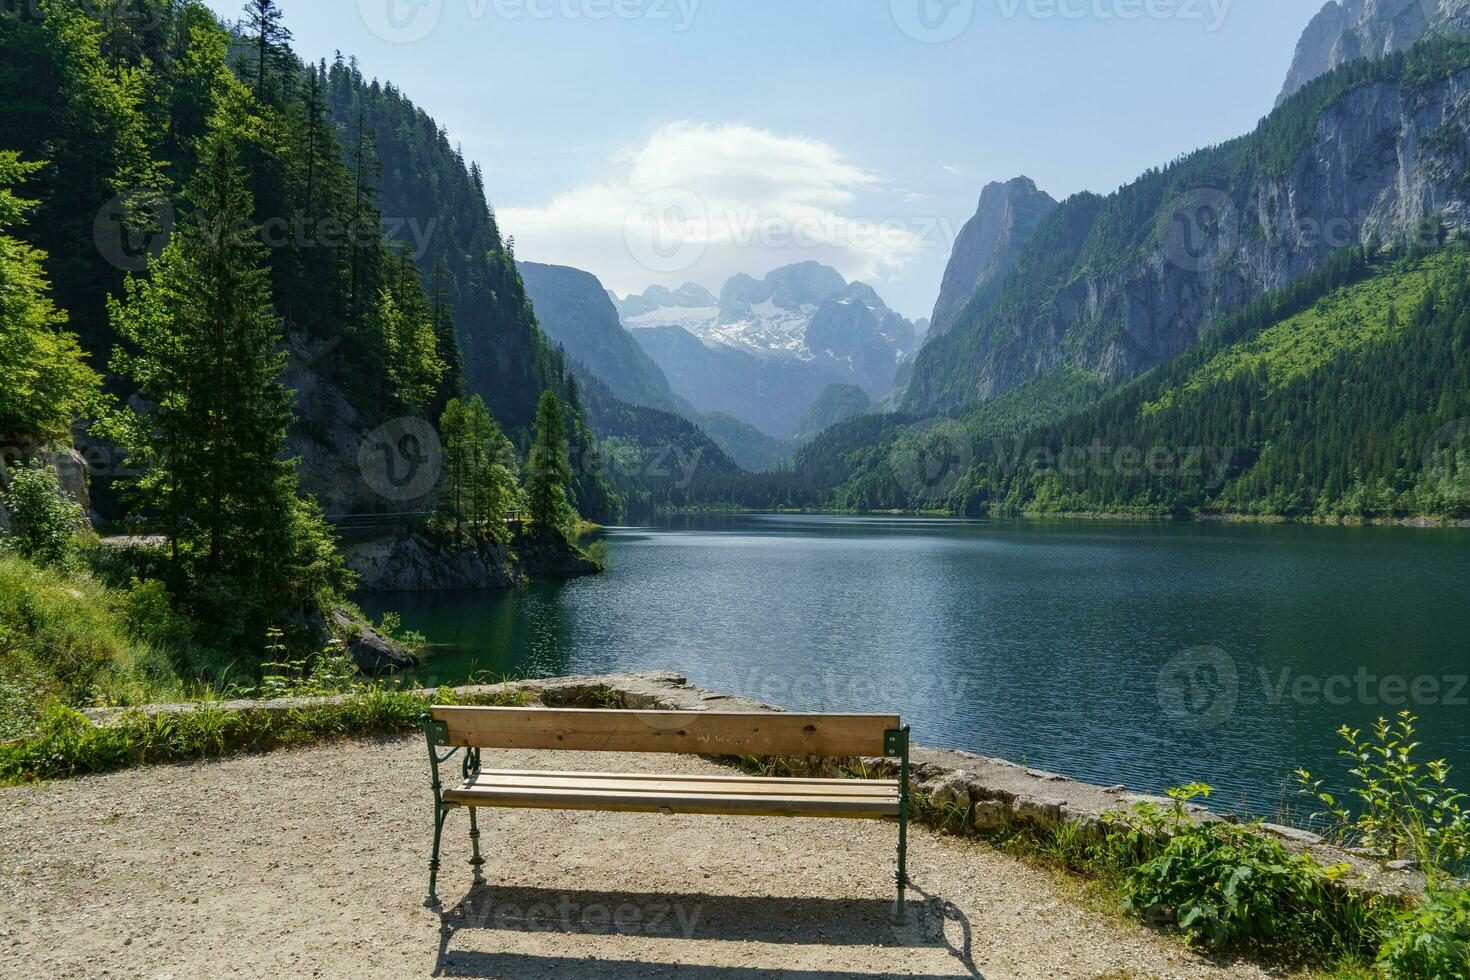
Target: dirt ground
313, 863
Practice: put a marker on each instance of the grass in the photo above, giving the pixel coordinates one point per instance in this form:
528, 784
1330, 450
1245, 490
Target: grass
67, 744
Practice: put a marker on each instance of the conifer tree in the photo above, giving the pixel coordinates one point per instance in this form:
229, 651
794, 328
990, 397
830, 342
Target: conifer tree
549, 470
203, 345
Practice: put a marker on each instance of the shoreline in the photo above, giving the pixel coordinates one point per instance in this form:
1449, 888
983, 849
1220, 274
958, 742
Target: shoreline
1417, 522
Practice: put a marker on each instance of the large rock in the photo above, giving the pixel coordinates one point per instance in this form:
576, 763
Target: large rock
411, 562
989, 245
1347, 30
374, 653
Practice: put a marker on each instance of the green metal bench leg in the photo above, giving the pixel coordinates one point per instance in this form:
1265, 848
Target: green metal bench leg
476, 862
902, 872
440, 812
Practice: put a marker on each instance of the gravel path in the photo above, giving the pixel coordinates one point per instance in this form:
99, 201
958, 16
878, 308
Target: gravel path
312, 863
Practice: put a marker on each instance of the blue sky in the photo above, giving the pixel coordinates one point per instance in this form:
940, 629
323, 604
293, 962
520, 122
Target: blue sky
671, 140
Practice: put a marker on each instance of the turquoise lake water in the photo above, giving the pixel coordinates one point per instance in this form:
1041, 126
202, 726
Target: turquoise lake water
1144, 654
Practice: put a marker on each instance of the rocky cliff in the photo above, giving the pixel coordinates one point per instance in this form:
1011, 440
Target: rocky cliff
1345, 30
1376, 152
989, 245
414, 562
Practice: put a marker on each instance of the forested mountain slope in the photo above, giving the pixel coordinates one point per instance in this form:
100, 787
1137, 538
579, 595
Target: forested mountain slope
1348, 397
394, 287
1373, 152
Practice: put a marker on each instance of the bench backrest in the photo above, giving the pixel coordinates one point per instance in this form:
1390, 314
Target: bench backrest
689, 732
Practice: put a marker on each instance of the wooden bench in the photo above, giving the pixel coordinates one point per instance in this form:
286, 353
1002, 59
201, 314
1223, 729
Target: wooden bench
449, 730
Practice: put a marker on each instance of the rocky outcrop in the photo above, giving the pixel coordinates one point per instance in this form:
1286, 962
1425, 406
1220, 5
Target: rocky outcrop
989, 245
410, 561
374, 653
1346, 30
328, 436
405, 561
552, 556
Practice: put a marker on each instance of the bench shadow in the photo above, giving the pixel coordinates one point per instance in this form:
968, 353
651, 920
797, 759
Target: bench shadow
933, 923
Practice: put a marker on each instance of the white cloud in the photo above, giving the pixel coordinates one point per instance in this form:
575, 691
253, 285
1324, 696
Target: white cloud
952, 168
702, 202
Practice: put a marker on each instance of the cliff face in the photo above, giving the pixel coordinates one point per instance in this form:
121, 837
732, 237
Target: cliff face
1116, 285
989, 245
1345, 30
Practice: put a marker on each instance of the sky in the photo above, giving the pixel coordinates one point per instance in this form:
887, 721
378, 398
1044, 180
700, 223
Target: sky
665, 141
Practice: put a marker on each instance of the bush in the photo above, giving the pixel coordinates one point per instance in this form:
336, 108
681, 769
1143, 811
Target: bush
46, 519
1222, 884
1431, 942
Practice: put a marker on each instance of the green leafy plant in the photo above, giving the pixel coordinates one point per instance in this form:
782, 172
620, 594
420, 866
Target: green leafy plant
1432, 941
1220, 884
330, 671
1404, 808
46, 520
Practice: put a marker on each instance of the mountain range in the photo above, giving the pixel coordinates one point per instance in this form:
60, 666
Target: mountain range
765, 349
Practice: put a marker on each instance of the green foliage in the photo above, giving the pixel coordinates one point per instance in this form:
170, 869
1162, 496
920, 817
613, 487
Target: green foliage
330, 671
64, 636
1223, 885
548, 471
1402, 808
66, 744
46, 520
1431, 941
47, 383
1251, 420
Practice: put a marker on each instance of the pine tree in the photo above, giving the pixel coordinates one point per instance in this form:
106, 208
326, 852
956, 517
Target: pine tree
204, 346
269, 39
549, 470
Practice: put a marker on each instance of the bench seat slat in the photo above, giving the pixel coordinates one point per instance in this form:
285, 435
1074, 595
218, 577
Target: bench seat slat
884, 789
677, 776
688, 732
658, 802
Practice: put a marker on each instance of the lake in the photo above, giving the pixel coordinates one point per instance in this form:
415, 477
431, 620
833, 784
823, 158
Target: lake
1144, 654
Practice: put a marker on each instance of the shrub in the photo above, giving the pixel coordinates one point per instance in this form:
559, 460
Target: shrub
1222, 884
1431, 942
46, 520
